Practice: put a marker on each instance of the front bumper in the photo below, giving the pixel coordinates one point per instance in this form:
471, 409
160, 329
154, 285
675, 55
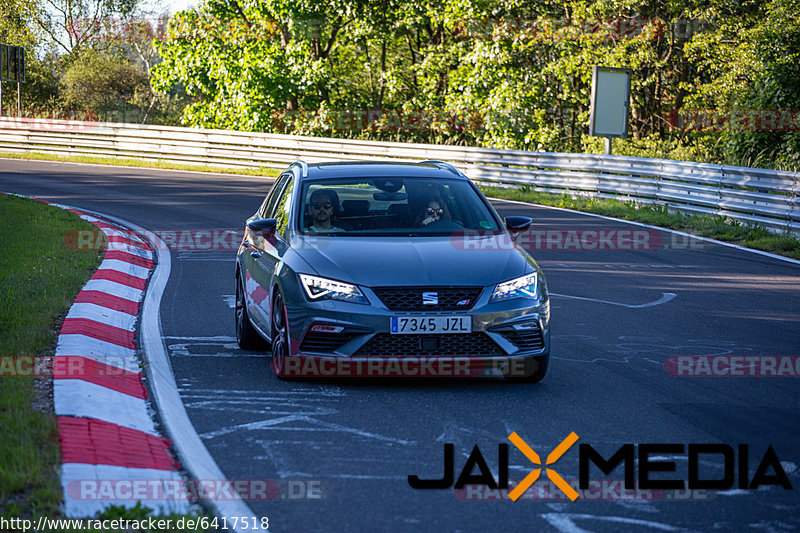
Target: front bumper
333, 338
309, 365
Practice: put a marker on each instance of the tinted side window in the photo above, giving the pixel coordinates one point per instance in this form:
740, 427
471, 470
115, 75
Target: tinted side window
269, 203
284, 207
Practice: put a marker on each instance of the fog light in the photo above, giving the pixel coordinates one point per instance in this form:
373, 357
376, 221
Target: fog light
326, 328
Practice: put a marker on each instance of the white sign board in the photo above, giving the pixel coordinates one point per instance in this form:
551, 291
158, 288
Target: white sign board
610, 93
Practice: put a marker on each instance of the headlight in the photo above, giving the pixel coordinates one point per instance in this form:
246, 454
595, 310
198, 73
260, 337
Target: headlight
522, 287
327, 289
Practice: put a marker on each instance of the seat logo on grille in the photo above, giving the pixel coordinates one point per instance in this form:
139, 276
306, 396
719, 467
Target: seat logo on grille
430, 298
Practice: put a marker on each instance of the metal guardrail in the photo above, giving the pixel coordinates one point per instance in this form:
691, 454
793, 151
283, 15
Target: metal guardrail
766, 197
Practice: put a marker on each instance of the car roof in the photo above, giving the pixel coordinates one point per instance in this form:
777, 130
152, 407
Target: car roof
361, 169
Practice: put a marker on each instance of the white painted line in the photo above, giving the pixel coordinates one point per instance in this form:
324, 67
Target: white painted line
131, 249
205, 260
91, 219
125, 267
230, 300
643, 225
665, 297
181, 350
75, 397
193, 454
311, 424
61, 206
102, 314
112, 287
118, 230
80, 504
733, 492
565, 522
101, 351
218, 338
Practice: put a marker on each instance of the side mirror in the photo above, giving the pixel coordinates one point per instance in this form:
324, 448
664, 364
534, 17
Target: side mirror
263, 224
518, 224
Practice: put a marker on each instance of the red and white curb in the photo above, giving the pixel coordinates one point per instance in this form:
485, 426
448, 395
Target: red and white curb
107, 435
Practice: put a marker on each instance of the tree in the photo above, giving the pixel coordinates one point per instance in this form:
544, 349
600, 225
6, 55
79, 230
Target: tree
76, 24
17, 25
515, 74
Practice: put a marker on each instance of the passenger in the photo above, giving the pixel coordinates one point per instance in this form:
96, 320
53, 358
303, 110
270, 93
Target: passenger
323, 208
433, 211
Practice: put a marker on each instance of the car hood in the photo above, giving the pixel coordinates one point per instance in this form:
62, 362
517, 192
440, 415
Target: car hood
386, 261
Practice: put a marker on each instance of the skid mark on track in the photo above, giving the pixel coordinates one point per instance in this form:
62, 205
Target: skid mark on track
290, 410
288, 430
567, 523
216, 346
306, 423
630, 348
665, 297
275, 403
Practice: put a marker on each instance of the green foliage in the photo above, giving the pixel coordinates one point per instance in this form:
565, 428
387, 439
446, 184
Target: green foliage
17, 23
511, 75
103, 82
467, 72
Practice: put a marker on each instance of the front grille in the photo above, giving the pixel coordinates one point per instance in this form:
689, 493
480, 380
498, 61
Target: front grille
410, 298
317, 341
468, 344
525, 340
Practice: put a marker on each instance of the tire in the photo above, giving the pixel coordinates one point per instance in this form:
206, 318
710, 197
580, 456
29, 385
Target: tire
246, 335
535, 369
280, 336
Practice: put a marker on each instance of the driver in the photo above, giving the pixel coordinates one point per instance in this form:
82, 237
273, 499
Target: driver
323, 206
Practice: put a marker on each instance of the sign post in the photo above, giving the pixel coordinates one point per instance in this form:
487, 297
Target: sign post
12, 68
609, 112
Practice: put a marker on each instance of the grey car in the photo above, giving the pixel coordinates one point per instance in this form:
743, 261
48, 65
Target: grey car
389, 269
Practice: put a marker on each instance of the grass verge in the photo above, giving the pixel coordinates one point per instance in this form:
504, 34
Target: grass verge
713, 227
39, 278
141, 163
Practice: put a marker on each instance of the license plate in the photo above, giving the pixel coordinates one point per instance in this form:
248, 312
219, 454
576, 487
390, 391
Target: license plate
431, 324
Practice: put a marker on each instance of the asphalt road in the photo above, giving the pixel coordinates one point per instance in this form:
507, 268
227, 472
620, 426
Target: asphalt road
342, 450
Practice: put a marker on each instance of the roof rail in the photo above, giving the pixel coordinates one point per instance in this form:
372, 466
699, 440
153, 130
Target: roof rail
303, 167
443, 165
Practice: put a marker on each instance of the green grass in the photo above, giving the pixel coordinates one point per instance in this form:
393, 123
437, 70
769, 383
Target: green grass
141, 163
39, 278
714, 227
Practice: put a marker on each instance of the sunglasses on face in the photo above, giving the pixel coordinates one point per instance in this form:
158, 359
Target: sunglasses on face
431, 211
320, 205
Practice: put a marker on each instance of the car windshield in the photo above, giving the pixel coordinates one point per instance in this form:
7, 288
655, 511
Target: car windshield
392, 206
